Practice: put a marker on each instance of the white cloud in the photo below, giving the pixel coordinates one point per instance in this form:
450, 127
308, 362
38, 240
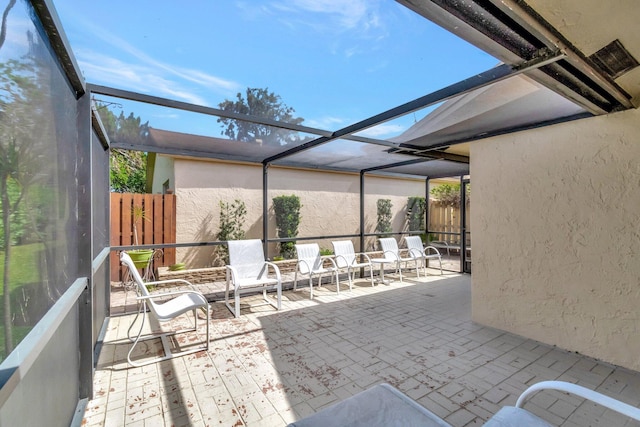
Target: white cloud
325, 123
147, 74
110, 71
382, 130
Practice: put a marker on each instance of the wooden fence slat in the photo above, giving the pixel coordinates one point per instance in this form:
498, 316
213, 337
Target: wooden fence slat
169, 205
158, 228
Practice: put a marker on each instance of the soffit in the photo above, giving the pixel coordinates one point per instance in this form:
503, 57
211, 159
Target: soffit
592, 24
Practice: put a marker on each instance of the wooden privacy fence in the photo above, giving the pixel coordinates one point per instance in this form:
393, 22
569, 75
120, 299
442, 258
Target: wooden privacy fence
446, 219
158, 225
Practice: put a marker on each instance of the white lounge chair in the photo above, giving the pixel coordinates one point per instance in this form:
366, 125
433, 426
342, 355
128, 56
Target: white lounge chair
311, 263
384, 406
346, 257
248, 271
172, 305
416, 250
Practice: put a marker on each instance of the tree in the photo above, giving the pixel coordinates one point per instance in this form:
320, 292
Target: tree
128, 172
22, 132
449, 194
260, 103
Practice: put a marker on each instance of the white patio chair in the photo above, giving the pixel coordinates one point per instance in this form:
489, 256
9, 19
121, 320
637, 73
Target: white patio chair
171, 305
311, 263
248, 271
416, 250
346, 257
390, 251
383, 405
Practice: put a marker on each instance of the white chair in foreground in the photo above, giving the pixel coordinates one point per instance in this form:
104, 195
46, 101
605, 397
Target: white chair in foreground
311, 263
416, 250
384, 406
346, 257
164, 306
248, 271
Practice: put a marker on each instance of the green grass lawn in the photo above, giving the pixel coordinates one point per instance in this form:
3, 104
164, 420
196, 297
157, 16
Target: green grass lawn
24, 266
24, 269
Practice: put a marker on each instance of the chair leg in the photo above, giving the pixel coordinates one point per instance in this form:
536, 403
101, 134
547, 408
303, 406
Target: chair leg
237, 303
207, 310
310, 286
371, 274
163, 337
135, 342
279, 293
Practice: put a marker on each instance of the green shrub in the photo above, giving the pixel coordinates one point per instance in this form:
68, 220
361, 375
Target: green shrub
384, 216
415, 213
287, 210
232, 219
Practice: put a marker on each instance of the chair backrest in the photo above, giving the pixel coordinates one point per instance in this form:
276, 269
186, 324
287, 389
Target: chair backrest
247, 256
310, 253
142, 290
344, 252
414, 245
389, 244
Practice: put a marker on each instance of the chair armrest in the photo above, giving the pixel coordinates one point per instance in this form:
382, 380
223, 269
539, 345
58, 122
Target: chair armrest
302, 261
173, 293
416, 253
276, 270
168, 281
346, 263
362, 254
433, 248
585, 393
330, 259
231, 270
394, 255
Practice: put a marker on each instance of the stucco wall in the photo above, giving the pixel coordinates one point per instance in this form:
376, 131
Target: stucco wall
556, 235
330, 202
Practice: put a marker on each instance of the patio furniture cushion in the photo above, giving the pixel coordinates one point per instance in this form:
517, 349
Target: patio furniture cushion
378, 406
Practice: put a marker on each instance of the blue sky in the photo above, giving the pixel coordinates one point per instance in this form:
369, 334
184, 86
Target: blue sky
336, 62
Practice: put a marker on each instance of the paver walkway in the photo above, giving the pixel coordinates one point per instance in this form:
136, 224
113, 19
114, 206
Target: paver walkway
270, 368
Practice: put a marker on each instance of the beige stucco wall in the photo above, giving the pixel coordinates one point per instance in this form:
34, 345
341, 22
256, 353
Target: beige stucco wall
163, 172
330, 202
556, 235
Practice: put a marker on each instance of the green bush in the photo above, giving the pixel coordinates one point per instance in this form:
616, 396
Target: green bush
287, 210
415, 213
384, 216
232, 219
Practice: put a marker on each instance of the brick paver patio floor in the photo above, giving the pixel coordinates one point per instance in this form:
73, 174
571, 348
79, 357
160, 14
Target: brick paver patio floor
269, 368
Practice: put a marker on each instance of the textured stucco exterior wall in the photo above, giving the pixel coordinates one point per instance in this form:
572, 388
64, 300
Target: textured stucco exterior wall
556, 235
330, 202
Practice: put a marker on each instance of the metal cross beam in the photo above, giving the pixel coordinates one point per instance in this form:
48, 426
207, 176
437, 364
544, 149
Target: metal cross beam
486, 78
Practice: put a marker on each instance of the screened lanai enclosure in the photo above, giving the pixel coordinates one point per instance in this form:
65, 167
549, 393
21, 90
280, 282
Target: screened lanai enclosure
546, 75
